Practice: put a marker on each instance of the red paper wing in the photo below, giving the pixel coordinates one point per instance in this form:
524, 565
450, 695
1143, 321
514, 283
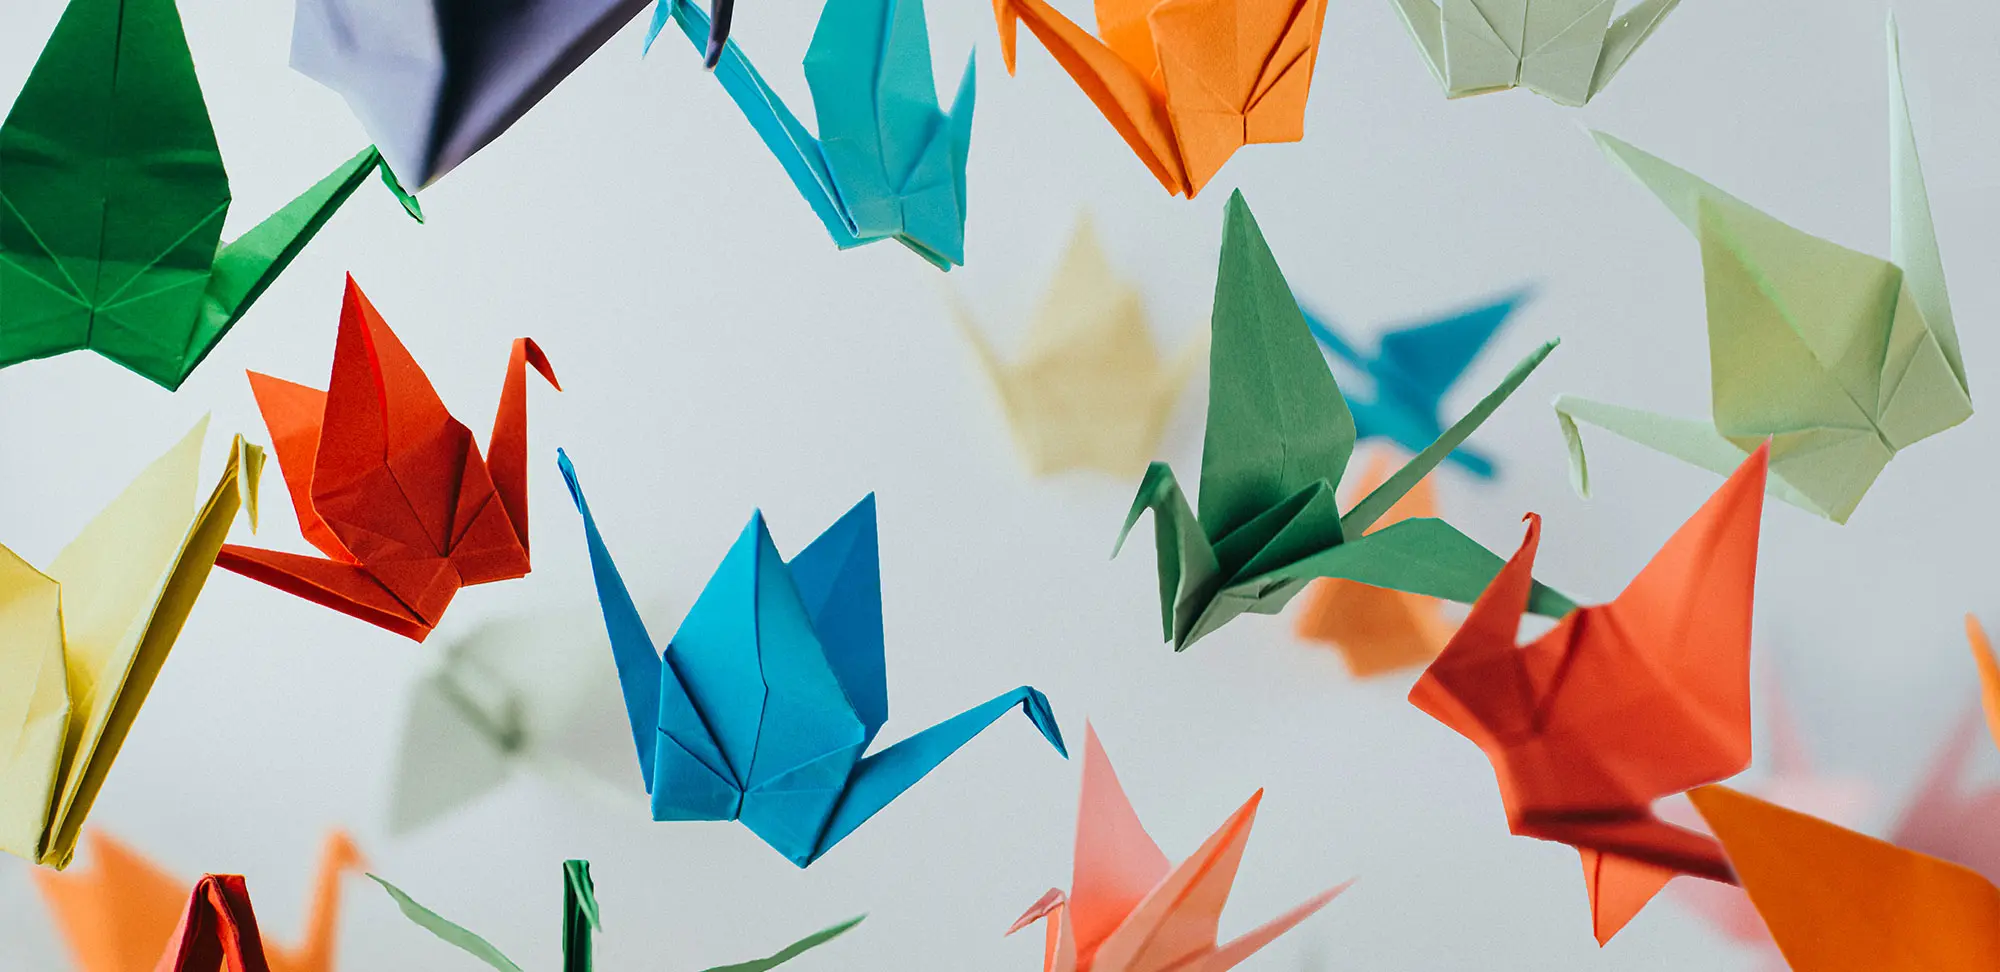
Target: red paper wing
292, 413
346, 588
218, 933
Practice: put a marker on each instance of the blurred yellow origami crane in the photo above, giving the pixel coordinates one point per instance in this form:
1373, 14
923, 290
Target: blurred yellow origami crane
1185, 82
81, 645
119, 914
1840, 358
1564, 50
1090, 390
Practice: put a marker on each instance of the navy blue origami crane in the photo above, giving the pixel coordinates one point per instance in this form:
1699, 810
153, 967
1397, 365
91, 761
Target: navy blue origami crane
1412, 369
762, 705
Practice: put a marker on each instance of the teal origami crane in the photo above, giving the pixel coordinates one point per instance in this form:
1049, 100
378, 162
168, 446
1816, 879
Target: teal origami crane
1279, 437
888, 163
764, 702
114, 195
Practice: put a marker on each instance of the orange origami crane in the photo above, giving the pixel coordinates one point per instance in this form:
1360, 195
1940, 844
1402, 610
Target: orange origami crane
1186, 82
1130, 911
1838, 901
118, 914
389, 485
1375, 629
1619, 704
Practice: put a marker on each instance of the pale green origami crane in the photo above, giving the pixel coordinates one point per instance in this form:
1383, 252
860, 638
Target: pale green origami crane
1564, 50
1839, 358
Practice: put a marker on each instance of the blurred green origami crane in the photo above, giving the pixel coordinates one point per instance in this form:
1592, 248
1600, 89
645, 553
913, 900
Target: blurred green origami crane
1839, 358
1564, 50
1279, 437
580, 924
888, 162
113, 199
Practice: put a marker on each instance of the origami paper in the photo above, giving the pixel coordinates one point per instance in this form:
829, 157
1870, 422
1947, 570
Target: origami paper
580, 925
1128, 910
774, 686
1618, 705
81, 644
1837, 901
1185, 82
119, 914
512, 694
218, 931
1564, 50
1377, 630
1942, 819
111, 215
389, 486
888, 163
434, 81
1839, 358
1412, 369
1278, 440
1090, 390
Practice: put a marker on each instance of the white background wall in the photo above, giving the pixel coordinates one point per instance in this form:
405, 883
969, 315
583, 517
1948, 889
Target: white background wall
720, 355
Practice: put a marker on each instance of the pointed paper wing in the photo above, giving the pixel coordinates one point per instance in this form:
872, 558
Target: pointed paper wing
432, 922
839, 579
218, 932
34, 704
1116, 863
1418, 365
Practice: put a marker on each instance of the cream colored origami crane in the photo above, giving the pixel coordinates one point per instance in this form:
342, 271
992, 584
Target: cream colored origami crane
1564, 50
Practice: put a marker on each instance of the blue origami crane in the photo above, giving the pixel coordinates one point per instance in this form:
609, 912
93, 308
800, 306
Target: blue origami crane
888, 164
774, 686
1412, 369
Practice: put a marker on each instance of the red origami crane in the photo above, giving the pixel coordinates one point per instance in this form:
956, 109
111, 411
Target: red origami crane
1619, 704
218, 932
389, 486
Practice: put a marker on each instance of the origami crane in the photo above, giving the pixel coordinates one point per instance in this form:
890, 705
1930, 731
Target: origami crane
1091, 390
765, 700
1129, 910
580, 925
1185, 82
1412, 370
81, 644
112, 211
1837, 901
1619, 704
888, 164
1377, 630
1840, 359
1943, 820
389, 486
434, 81
1278, 440
218, 931
512, 694
121, 913
1564, 50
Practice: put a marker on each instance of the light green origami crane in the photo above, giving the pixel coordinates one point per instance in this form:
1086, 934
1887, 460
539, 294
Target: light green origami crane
1839, 358
1278, 440
1564, 50
112, 197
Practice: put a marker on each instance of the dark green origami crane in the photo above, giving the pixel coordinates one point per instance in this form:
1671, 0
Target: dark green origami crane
112, 196
1279, 436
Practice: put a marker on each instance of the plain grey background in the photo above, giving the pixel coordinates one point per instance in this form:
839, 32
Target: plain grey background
721, 355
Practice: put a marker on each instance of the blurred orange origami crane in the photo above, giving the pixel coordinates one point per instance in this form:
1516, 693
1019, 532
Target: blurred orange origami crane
1186, 82
1619, 704
1130, 911
389, 486
119, 914
1375, 629
1838, 901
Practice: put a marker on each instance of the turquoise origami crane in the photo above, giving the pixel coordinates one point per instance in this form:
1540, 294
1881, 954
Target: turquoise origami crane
888, 163
774, 686
1412, 369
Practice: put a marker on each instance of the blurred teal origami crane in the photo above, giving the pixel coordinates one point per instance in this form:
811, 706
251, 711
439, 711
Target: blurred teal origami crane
888, 163
1839, 358
1278, 440
113, 200
764, 702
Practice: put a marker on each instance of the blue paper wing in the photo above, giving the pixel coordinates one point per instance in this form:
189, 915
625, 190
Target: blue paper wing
1420, 364
839, 578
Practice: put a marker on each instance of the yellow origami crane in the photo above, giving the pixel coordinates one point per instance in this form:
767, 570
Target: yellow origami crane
1375, 629
119, 914
1186, 82
1091, 390
81, 645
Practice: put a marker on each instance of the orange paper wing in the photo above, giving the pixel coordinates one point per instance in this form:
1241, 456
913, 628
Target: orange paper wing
116, 913
218, 932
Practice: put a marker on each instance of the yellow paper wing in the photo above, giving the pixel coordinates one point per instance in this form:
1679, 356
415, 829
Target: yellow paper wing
34, 702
